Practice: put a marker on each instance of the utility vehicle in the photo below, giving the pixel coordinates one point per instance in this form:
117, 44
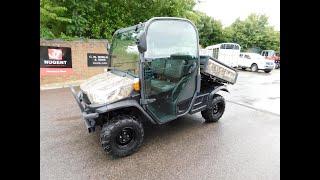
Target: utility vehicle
160, 80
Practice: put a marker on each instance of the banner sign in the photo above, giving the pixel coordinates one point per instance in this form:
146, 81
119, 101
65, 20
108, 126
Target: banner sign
55, 60
98, 59
55, 57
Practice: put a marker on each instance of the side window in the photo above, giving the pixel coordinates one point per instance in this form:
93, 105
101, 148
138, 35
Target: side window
215, 53
125, 52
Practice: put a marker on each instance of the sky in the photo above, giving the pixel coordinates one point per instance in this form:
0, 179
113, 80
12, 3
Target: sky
227, 11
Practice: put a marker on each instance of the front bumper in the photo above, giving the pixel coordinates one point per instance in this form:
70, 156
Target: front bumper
269, 67
87, 116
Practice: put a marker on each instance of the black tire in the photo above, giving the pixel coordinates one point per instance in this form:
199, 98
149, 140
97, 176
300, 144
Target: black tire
267, 71
214, 113
121, 136
254, 68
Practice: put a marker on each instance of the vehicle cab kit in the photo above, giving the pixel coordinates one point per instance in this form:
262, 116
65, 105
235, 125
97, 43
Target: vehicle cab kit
156, 75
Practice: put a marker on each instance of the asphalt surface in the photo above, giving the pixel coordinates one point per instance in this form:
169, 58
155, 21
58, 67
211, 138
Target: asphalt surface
257, 89
244, 144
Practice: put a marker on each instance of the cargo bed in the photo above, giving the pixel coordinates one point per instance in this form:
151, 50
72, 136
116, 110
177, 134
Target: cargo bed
217, 70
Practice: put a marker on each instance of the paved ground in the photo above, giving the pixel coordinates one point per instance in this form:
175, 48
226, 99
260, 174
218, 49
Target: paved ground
244, 144
260, 90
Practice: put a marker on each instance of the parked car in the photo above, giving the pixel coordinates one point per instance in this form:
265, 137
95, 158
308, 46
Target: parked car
255, 62
277, 60
272, 55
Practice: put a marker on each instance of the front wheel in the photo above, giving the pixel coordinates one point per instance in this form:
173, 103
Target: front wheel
122, 136
254, 68
215, 111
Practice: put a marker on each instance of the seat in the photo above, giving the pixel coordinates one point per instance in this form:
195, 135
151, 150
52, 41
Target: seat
173, 70
160, 86
158, 66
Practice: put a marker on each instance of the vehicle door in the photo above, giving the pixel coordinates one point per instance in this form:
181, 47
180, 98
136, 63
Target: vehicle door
170, 69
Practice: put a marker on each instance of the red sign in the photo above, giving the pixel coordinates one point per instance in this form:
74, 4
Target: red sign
55, 71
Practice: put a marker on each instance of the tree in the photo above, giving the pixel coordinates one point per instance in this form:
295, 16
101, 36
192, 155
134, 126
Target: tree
210, 30
101, 18
253, 32
52, 19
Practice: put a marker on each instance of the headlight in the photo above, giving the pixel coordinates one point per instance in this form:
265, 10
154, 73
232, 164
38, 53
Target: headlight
136, 84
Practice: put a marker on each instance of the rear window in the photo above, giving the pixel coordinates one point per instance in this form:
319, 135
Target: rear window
229, 46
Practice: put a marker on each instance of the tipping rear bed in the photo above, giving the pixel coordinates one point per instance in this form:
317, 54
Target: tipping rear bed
217, 70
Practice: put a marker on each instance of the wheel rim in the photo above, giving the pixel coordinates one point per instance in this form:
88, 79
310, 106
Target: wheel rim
125, 136
254, 68
217, 108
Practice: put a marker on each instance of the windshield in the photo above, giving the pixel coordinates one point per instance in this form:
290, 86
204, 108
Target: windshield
125, 54
171, 37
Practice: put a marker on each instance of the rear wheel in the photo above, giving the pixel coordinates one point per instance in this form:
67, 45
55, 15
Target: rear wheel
215, 111
122, 136
254, 68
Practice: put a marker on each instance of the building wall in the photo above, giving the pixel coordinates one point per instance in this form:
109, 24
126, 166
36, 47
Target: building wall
79, 50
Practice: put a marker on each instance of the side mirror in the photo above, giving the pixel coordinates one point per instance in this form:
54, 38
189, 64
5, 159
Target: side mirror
142, 42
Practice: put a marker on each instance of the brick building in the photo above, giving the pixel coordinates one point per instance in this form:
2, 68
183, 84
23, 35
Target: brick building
80, 69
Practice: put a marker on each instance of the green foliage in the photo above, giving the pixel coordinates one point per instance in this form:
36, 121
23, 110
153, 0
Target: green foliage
52, 19
99, 19
254, 31
210, 30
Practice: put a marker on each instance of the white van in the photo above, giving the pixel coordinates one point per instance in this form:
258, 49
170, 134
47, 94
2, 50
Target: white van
227, 53
255, 62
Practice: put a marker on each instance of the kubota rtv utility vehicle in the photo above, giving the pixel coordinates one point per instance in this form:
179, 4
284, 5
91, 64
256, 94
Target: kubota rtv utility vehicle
156, 74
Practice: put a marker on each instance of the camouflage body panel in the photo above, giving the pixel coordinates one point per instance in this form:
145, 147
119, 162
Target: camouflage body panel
107, 88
